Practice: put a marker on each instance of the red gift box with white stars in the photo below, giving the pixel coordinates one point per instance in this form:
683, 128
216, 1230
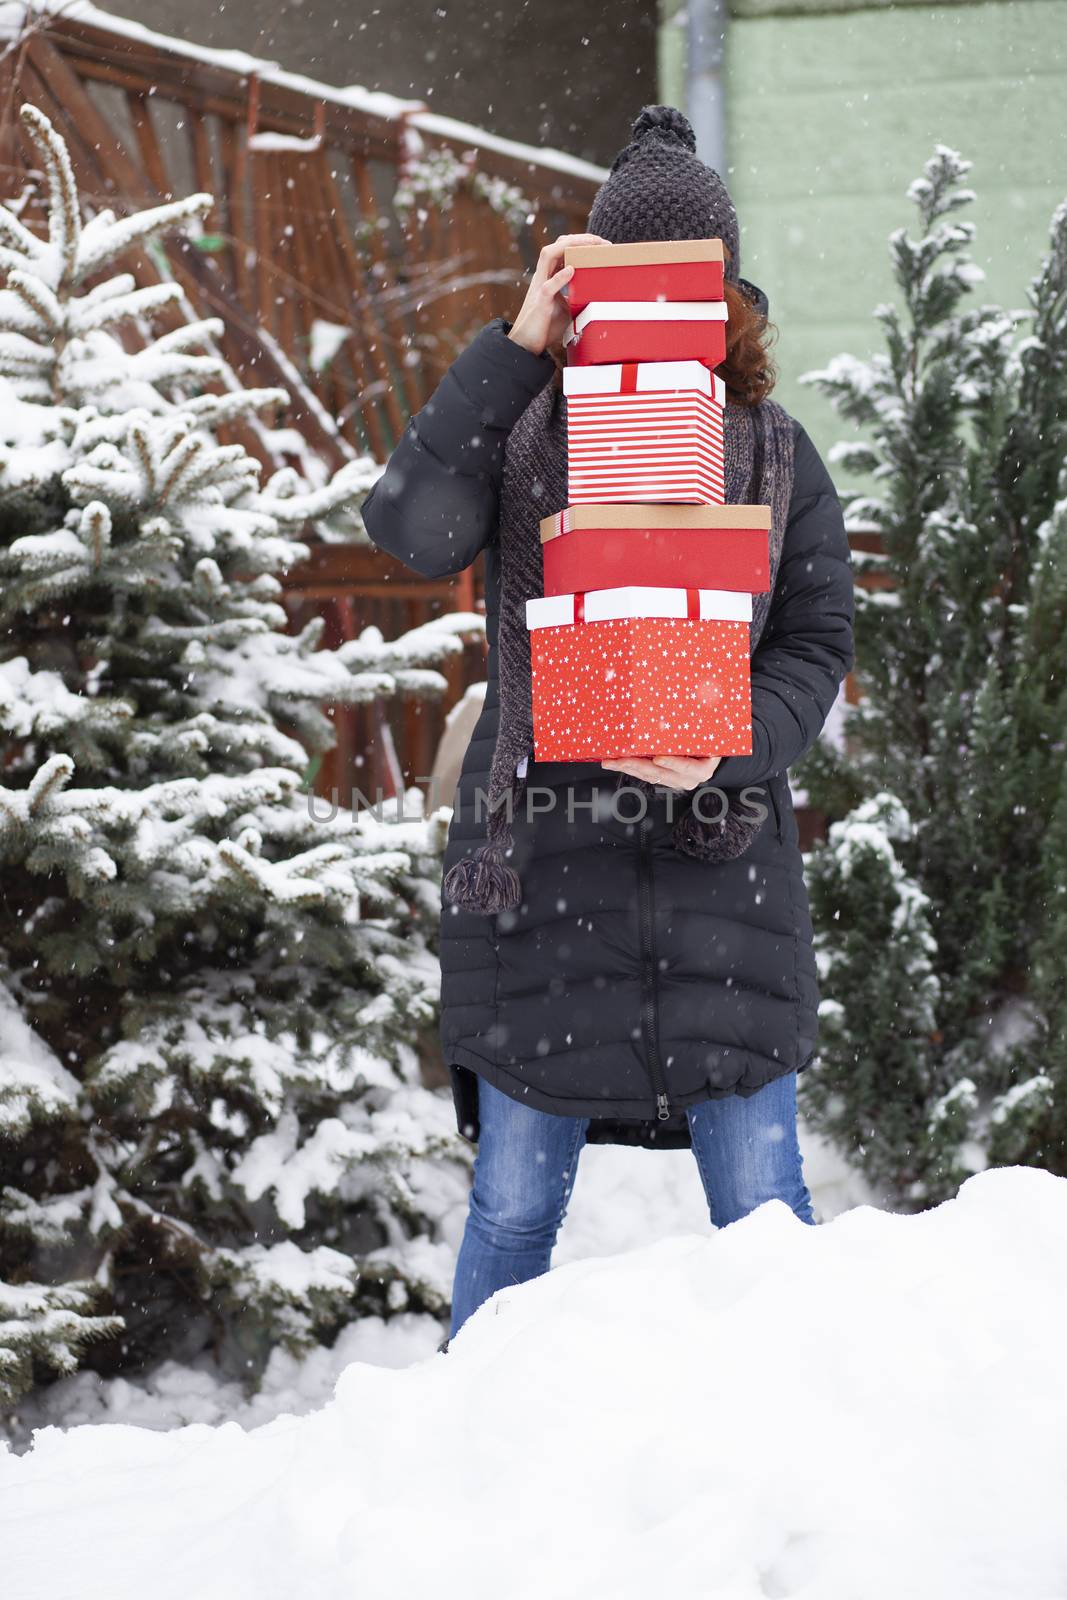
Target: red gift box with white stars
640, 671
646, 431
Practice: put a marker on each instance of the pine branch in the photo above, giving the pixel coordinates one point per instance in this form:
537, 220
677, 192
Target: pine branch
64, 215
108, 242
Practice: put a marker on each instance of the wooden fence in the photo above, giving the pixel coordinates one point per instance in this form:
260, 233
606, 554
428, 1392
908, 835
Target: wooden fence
307, 243
328, 284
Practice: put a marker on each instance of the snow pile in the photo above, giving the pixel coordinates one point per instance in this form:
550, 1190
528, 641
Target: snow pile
624, 1199
870, 1408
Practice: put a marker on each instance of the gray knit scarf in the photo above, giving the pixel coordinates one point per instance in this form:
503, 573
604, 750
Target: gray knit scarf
758, 449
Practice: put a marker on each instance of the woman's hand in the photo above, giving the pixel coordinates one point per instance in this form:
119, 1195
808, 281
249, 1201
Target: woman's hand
675, 772
545, 315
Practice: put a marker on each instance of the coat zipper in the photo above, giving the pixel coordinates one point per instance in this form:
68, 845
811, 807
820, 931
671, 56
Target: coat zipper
649, 1028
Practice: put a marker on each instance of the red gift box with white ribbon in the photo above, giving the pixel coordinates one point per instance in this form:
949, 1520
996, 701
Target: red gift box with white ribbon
671, 269
649, 430
649, 330
640, 671
707, 547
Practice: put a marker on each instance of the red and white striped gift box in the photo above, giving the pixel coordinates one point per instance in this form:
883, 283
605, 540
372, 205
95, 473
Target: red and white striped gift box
651, 430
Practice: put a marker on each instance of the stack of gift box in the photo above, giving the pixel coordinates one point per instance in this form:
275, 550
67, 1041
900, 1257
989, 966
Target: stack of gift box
640, 646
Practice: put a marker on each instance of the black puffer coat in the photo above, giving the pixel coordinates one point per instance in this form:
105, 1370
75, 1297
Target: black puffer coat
630, 972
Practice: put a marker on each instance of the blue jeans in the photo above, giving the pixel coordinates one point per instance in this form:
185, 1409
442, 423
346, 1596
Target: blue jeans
746, 1150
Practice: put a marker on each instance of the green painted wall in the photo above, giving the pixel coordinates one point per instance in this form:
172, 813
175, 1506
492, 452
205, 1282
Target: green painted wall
830, 116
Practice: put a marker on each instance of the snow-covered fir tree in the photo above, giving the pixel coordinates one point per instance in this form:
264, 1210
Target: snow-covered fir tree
213, 1132
941, 892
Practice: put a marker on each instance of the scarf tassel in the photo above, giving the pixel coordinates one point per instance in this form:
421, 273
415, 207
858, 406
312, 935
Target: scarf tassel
716, 839
484, 882
720, 840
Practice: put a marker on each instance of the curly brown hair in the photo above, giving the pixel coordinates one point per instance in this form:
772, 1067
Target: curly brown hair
748, 372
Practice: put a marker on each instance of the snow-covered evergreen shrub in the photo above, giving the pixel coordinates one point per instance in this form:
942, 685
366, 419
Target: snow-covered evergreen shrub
212, 1123
432, 180
941, 893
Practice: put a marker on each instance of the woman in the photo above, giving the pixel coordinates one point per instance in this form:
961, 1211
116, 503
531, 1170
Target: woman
626, 946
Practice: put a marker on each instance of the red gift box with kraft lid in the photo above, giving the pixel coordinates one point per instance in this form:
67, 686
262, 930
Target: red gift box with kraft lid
640, 671
706, 547
671, 269
648, 330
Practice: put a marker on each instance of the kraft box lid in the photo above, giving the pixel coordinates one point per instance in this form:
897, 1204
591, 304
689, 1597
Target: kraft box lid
654, 252
654, 516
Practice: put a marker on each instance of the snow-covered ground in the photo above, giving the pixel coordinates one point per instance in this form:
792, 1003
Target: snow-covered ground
865, 1410
623, 1199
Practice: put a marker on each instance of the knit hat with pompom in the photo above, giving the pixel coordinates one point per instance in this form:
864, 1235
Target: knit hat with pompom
658, 188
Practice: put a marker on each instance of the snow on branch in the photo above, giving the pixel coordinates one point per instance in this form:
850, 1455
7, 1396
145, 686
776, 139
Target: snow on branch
249, 959
112, 237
